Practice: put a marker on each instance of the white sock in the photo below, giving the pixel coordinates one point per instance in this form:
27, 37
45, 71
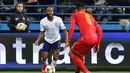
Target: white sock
45, 62
54, 63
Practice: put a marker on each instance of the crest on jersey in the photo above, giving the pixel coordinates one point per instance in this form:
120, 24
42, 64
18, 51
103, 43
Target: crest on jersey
56, 24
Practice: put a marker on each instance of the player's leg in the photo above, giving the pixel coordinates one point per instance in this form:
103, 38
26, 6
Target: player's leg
77, 68
78, 62
56, 52
76, 55
44, 60
44, 57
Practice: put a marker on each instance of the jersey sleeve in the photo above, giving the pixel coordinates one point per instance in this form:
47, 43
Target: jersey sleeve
72, 25
41, 26
62, 26
99, 30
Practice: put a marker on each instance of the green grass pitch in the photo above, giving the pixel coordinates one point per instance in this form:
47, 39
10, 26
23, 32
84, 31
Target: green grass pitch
63, 72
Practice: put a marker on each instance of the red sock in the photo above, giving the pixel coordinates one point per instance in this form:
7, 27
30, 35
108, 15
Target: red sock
79, 63
77, 70
44, 66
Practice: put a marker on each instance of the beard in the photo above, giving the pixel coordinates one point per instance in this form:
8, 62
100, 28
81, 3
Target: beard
49, 16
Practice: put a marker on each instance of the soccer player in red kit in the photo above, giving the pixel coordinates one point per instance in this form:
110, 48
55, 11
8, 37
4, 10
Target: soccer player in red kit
89, 39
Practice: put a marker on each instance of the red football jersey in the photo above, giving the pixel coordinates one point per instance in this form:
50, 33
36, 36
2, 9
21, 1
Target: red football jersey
87, 26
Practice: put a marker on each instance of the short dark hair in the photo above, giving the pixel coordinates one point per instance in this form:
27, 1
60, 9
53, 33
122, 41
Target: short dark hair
79, 6
18, 3
50, 7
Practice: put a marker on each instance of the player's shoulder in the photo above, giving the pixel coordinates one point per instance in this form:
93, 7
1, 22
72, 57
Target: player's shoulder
75, 13
90, 15
57, 17
43, 19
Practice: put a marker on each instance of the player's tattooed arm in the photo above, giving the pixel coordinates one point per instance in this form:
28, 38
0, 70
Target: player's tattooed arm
66, 35
41, 35
66, 38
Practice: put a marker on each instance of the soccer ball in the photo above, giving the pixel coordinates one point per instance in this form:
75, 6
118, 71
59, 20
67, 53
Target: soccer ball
20, 26
50, 69
124, 23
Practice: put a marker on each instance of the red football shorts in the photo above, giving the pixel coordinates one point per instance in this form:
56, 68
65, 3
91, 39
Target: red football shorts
82, 47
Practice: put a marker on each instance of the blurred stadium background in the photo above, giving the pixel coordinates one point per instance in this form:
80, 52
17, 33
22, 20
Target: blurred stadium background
17, 52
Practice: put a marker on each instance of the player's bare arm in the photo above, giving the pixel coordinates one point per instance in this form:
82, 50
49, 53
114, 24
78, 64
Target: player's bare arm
66, 35
71, 30
41, 35
99, 30
66, 38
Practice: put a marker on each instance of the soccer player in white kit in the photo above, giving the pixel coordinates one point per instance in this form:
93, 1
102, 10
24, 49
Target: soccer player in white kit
49, 30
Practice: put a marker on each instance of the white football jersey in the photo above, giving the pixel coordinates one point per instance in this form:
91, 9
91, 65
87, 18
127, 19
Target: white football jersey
52, 28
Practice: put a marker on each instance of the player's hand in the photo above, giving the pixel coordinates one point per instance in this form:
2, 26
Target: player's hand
17, 27
24, 27
36, 42
96, 48
66, 45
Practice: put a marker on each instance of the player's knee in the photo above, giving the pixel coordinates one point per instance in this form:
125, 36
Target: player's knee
43, 59
55, 58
